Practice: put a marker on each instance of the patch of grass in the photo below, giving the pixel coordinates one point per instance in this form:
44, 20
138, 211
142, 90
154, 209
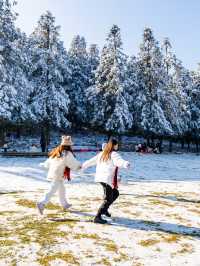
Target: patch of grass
84, 235
186, 248
68, 257
26, 203
159, 202
7, 242
7, 213
149, 242
42, 232
6, 253
104, 261
196, 211
13, 262
122, 257
177, 217
5, 232
111, 246
32, 204
172, 238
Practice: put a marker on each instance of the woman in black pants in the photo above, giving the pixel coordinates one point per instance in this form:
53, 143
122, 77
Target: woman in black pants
107, 163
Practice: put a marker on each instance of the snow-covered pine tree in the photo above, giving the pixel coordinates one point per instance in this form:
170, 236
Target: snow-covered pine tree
20, 72
195, 106
171, 102
152, 80
168, 56
132, 89
79, 82
93, 61
8, 35
182, 87
109, 96
49, 68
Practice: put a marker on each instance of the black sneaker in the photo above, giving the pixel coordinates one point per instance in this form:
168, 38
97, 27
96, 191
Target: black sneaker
106, 213
99, 220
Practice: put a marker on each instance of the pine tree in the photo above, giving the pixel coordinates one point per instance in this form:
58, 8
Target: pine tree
8, 36
182, 81
79, 67
22, 112
132, 89
49, 99
195, 106
109, 96
93, 61
152, 79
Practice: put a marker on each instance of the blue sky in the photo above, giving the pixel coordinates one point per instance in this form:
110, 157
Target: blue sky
177, 19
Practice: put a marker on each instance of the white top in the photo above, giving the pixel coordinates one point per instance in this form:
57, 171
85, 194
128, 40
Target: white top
56, 166
105, 170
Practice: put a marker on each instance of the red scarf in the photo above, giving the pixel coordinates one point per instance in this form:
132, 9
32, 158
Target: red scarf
67, 174
115, 180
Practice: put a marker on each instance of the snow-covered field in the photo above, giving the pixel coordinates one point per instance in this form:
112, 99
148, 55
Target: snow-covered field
157, 217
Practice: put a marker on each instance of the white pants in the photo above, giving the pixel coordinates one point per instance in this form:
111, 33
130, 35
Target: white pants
56, 185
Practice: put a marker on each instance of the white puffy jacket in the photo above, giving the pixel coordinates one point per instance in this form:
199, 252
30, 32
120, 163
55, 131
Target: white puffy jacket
56, 166
105, 170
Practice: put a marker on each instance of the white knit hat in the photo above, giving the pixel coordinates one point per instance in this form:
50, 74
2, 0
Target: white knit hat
66, 141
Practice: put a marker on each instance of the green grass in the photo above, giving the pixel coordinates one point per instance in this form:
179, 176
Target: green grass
66, 257
84, 235
148, 242
7, 242
32, 204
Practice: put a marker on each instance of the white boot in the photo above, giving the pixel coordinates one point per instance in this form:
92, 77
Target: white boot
67, 206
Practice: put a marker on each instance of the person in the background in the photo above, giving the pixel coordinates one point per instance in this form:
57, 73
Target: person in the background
43, 142
33, 148
5, 147
106, 163
59, 158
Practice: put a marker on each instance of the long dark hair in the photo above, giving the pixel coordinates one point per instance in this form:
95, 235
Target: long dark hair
106, 155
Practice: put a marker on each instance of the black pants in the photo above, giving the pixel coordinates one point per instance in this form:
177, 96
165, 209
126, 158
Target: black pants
110, 195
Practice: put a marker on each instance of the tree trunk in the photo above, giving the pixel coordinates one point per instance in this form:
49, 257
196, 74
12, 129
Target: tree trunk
2, 136
188, 145
197, 146
152, 142
182, 144
18, 132
160, 145
148, 141
170, 145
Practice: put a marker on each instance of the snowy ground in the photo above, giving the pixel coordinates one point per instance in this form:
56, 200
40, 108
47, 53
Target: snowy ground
157, 217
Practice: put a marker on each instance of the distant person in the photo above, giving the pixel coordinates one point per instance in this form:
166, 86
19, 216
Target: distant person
43, 142
5, 147
106, 163
138, 147
144, 147
59, 158
157, 148
33, 148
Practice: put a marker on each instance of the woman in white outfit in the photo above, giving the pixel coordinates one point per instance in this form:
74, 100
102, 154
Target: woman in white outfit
59, 158
106, 163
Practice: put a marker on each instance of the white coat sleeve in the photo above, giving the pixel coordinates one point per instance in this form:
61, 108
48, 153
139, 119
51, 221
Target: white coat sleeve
90, 162
118, 161
46, 164
72, 162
